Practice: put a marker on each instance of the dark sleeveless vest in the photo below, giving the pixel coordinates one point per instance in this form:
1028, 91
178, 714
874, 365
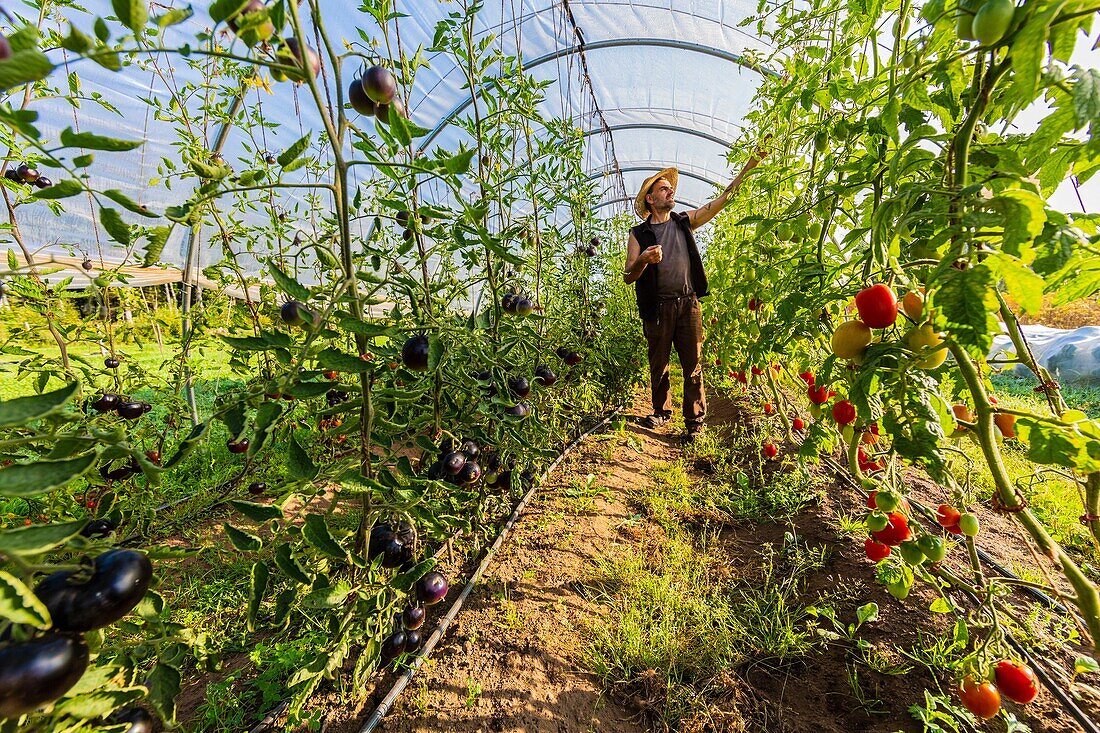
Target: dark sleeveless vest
645, 287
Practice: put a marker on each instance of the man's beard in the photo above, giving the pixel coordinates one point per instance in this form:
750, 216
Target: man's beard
664, 205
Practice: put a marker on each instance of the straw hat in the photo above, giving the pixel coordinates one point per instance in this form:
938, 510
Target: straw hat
671, 174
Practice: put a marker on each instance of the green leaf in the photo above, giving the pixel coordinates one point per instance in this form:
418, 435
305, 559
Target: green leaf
257, 512
317, 533
328, 597
1028, 50
295, 151
331, 358
968, 301
286, 283
174, 16
164, 686
1024, 217
363, 328
76, 41
404, 581
193, 438
92, 141
22, 67
22, 410
38, 538
435, 352
20, 605
115, 226
128, 203
1083, 665
1086, 99
32, 479
1050, 444
1022, 283
286, 562
98, 703
224, 9
157, 237
299, 464
248, 343
257, 588
867, 612
133, 14
267, 415
941, 605
460, 163
243, 541
206, 170
62, 189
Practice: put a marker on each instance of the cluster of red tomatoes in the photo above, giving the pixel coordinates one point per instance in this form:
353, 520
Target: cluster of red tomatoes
1014, 680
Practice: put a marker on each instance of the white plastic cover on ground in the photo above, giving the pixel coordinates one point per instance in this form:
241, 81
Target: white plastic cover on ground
659, 83
1071, 355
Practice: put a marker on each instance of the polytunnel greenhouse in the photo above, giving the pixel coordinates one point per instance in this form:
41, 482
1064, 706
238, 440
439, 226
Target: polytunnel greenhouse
550, 366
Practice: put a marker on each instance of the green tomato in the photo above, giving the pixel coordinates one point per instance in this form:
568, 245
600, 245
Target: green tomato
968, 523
888, 500
848, 433
909, 60
821, 142
911, 553
814, 230
877, 521
933, 547
992, 21
964, 26
783, 231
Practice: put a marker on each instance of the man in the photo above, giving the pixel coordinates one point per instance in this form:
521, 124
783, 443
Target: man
663, 262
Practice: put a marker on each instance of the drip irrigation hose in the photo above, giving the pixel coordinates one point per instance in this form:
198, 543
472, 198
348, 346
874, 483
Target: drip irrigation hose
1036, 663
406, 677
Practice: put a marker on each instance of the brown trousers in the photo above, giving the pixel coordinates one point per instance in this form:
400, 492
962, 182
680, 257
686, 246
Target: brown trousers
680, 326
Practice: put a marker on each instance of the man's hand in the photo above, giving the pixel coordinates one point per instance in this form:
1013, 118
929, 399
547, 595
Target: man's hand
651, 255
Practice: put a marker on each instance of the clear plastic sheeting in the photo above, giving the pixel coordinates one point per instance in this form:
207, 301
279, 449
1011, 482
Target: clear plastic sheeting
1070, 355
651, 84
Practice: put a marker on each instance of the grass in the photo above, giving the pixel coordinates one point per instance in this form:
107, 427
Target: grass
684, 619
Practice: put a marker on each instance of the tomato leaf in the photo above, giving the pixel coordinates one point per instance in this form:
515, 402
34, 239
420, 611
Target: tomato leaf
328, 597
62, 189
92, 141
98, 703
299, 464
38, 538
257, 512
968, 301
133, 14
164, 686
32, 479
24, 66
258, 586
20, 605
243, 541
193, 438
286, 283
331, 358
286, 562
1022, 283
295, 151
22, 410
115, 226
317, 533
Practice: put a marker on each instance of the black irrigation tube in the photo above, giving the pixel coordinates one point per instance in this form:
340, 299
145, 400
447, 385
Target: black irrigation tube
430, 644
406, 676
1036, 663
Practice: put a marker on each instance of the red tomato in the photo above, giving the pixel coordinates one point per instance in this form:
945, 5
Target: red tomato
947, 515
871, 501
877, 306
896, 532
1016, 681
330, 374
770, 451
807, 377
980, 697
753, 304
768, 408
954, 529
717, 362
875, 550
798, 424
757, 371
844, 412
817, 395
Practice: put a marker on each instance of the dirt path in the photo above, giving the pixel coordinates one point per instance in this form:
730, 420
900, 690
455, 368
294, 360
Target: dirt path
510, 661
